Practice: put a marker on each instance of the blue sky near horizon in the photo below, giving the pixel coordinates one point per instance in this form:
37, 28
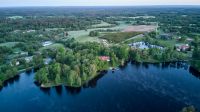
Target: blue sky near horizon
9, 3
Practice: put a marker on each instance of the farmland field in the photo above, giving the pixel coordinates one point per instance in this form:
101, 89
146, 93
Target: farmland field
83, 35
140, 28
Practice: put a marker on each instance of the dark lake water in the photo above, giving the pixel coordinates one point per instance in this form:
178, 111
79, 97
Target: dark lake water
134, 88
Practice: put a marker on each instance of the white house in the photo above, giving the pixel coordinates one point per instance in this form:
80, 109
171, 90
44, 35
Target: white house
28, 59
47, 43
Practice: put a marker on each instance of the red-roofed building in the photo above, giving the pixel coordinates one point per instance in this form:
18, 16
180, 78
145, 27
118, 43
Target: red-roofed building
104, 58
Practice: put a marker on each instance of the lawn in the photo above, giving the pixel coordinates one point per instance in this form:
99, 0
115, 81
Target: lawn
53, 46
102, 24
86, 38
9, 44
119, 36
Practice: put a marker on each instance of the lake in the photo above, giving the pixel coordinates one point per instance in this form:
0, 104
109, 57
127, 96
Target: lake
136, 87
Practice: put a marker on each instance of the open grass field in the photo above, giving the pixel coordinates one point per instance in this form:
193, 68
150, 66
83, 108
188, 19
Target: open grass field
119, 36
9, 44
140, 28
53, 46
15, 17
83, 35
102, 24
86, 38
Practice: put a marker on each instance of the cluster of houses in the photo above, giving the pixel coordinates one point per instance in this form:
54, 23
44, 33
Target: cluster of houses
143, 45
29, 59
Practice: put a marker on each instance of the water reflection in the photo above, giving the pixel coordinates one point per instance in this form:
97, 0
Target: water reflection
173, 64
59, 90
11, 81
157, 65
137, 64
165, 65
194, 72
29, 72
93, 83
73, 90
145, 65
47, 91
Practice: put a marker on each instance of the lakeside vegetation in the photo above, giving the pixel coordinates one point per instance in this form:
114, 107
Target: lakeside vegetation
195, 62
77, 63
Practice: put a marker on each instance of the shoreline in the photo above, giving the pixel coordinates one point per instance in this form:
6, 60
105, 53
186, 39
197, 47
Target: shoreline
18, 74
49, 85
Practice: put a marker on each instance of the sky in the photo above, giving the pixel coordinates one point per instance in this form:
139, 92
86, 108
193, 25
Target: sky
10, 3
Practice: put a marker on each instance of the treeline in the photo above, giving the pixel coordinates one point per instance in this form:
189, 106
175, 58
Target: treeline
7, 72
77, 63
155, 55
38, 23
181, 23
196, 54
4, 52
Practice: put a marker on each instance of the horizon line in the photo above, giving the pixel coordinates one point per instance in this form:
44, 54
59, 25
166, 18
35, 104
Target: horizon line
98, 5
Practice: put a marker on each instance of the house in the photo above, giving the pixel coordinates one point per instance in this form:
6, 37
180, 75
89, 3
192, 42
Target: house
17, 63
22, 53
47, 43
184, 47
190, 39
104, 58
28, 59
47, 61
14, 63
